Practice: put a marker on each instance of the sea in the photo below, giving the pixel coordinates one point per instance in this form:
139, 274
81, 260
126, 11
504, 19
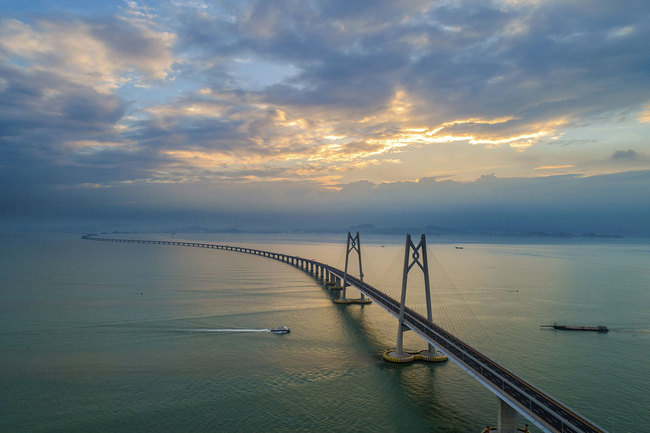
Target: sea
117, 337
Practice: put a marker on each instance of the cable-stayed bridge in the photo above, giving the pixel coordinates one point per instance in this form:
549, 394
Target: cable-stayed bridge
514, 393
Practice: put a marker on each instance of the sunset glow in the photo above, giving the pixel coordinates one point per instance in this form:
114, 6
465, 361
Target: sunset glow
254, 96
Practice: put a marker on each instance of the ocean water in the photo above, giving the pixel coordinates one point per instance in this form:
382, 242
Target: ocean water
120, 337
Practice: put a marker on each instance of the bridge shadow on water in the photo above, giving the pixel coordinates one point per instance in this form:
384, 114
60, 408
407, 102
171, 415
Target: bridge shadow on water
417, 381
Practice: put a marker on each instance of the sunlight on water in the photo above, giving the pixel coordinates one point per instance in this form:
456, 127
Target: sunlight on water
122, 337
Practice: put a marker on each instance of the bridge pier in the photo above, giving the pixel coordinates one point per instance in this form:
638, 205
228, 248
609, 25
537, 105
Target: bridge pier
334, 282
507, 419
337, 284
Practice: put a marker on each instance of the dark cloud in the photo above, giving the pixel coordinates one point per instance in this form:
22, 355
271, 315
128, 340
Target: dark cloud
40, 114
41, 102
625, 154
554, 204
538, 61
127, 41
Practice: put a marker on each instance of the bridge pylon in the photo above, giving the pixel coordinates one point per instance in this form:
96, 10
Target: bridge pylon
414, 255
353, 244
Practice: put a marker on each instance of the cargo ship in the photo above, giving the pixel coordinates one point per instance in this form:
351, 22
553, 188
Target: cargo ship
599, 328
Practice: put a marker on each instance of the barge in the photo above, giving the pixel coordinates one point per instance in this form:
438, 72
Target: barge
599, 328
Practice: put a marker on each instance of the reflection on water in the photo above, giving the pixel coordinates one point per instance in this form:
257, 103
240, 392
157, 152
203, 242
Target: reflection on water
99, 336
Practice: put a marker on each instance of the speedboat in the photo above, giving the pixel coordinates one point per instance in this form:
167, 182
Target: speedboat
280, 330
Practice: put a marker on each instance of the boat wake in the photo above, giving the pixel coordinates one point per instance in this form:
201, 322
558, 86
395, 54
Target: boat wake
278, 330
633, 331
227, 330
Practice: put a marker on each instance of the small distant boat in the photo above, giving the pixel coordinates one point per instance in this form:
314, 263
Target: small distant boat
599, 328
459, 248
280, 330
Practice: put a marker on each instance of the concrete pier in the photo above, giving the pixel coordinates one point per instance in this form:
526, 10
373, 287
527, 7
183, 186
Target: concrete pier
507, 421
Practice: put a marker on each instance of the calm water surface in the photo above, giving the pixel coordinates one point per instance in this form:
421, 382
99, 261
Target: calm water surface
116, 337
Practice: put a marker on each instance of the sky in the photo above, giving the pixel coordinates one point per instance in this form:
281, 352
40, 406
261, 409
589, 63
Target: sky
504, 115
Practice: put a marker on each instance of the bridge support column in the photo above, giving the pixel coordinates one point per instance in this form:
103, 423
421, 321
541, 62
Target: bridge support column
335, 283
412, 256
353, 243
507, 420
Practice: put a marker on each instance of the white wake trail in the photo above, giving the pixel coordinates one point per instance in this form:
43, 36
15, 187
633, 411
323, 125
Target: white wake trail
227, 330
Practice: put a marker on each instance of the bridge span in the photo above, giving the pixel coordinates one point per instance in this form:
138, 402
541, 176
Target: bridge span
513, 392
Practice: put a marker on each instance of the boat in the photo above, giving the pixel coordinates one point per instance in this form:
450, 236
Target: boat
459, 248
599, 328
280, 330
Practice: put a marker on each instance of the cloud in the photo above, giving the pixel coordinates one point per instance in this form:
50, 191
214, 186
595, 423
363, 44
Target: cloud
102, 54
60, 107
527, 61
42, 106
193, 95
554, 167
625, 154
565, 203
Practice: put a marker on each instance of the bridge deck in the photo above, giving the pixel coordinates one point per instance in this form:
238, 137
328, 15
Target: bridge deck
544, 411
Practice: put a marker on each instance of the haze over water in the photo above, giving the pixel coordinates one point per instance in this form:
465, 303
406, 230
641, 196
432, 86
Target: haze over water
118, 337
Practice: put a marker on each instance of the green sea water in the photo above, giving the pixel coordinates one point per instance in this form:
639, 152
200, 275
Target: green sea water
120, 337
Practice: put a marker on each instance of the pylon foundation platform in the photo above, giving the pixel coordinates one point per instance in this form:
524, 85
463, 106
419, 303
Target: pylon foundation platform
335, 288
353, 301
391, 355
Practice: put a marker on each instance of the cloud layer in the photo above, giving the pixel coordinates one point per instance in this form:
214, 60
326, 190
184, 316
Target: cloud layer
317, 99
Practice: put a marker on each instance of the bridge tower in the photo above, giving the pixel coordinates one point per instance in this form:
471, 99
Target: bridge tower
414, 255
353, 244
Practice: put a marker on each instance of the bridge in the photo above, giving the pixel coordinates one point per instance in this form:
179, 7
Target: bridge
514, 394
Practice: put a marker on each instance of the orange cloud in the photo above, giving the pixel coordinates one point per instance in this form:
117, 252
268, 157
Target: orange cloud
554, 167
